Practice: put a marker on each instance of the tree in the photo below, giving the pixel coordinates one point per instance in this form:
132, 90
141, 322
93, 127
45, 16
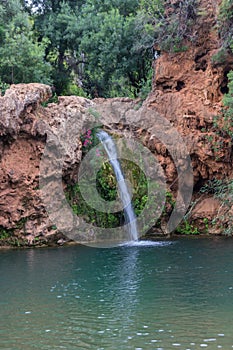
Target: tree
21, 55
59, 28
117, 51
94, 45
43, 7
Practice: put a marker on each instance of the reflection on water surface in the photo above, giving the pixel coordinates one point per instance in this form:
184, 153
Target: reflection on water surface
165, 295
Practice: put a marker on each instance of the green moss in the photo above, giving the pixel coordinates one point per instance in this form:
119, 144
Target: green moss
106, 186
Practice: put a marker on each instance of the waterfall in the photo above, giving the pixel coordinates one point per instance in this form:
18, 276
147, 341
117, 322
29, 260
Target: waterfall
129, 214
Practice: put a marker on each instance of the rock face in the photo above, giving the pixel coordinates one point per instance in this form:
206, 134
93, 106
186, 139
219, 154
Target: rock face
25, 128
21, 145
186, 96
188, 89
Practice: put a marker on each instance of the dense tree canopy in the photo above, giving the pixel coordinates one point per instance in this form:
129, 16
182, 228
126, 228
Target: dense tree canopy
21, 54
94, 45
90, 47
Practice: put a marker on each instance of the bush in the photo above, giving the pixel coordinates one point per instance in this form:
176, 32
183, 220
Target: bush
225, 22
227, 121
3, 88
171, 30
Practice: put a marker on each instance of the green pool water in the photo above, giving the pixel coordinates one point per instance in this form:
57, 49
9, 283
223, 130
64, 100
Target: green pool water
170, 295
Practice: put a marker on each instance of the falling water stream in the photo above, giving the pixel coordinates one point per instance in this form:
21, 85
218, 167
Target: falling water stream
129, 214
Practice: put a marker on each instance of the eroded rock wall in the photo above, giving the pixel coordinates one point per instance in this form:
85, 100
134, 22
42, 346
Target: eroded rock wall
25, 128
187, 92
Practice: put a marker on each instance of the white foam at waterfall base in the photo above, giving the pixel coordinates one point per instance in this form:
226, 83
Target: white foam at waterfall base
130, 217
145, 243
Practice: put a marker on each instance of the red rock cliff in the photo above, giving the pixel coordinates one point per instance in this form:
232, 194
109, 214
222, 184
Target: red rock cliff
187, 91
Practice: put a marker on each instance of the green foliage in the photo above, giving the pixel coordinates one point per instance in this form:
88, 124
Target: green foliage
170, 30
106, 182
146, 85
153, 8
180, 48
81, 208
4, 233
169, 199
73, 89
56, 25
117, 50
214, 186
7, 238
224, 122
187, 228
104, 48
106, 186
222, 189
53, 99
21, 223
88, 47
206, 223
225, 22
220, 56
139, 184
21, 55
228, 104
3, 88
